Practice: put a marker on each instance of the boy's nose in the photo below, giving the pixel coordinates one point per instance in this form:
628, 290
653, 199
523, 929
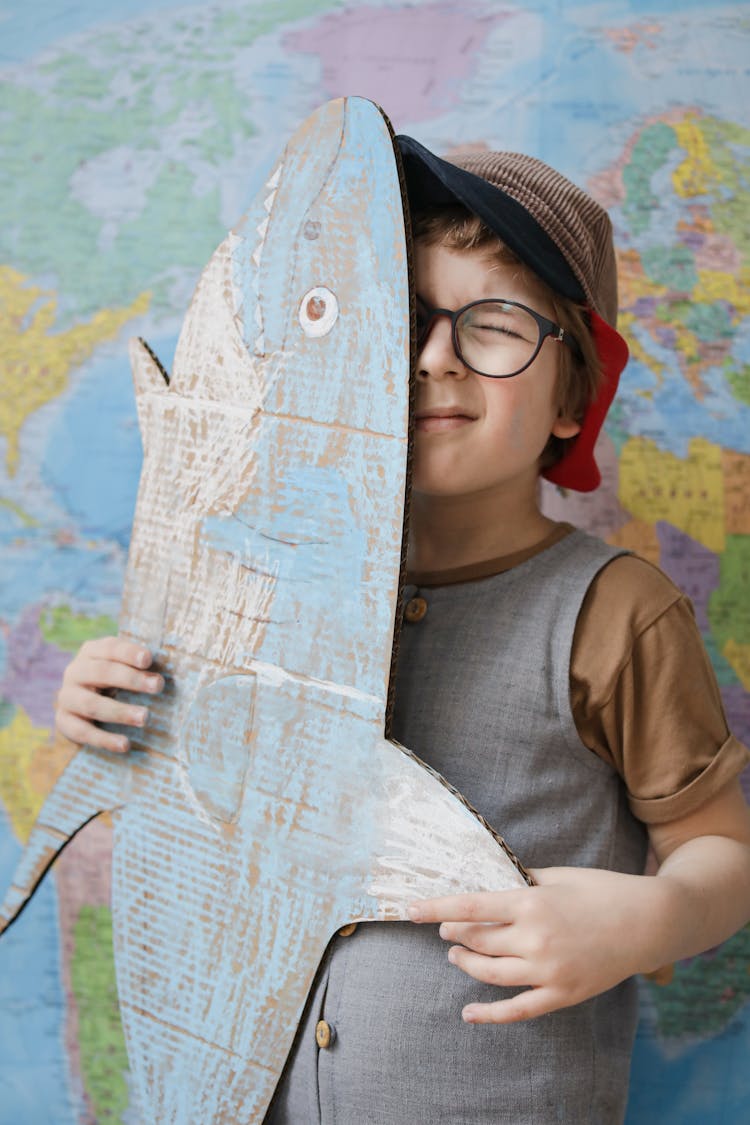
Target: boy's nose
437, 357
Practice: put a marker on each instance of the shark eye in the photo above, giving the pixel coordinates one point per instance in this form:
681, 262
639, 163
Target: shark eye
318, 311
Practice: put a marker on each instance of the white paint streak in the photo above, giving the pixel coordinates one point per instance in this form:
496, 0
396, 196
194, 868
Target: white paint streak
273, 674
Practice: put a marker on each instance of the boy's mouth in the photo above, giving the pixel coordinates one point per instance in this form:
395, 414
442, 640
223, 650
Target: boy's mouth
441, 418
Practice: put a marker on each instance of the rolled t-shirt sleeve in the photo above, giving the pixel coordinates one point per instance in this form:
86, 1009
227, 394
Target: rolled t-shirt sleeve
644, 694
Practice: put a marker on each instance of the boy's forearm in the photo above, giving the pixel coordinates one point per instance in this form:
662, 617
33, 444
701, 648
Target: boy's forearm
703, 881
704, 897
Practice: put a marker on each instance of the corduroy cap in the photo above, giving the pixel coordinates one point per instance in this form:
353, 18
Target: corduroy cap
561, 233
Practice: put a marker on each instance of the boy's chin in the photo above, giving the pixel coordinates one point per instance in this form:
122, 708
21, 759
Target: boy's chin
428, 488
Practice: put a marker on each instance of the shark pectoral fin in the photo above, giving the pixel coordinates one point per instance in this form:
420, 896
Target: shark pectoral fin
216, 741
430, 841
93, 783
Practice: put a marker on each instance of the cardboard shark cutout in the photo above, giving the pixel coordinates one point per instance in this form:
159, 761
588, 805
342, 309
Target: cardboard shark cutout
264, 807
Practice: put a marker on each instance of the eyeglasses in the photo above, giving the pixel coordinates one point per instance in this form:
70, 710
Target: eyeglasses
494, 337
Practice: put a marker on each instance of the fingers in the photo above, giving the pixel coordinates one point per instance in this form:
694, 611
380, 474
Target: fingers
102, 673
119, 649
112, 662
99, 667
86, 734
493, 940
502, 907
87, 704
510, 972
525, 1006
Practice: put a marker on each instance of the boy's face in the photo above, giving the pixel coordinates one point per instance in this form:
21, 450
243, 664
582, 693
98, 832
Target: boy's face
476, 435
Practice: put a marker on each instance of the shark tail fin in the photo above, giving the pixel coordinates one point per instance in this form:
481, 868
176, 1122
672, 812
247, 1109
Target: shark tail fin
94, 782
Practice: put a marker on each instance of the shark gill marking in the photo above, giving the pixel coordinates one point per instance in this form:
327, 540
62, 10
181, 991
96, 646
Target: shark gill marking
339, 427
274, 674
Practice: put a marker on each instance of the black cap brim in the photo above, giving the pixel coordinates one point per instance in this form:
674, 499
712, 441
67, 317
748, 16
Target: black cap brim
433, 182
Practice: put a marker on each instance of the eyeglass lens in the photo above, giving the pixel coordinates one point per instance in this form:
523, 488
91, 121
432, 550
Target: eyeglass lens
494, 337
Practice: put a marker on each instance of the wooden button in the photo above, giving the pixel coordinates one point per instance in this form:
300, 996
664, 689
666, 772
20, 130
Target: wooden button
415, 610
345, 931
324, 1034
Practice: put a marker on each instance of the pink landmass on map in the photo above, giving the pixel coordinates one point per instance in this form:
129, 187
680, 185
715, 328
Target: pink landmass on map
384, 54
83, 879
718, 252
34, 670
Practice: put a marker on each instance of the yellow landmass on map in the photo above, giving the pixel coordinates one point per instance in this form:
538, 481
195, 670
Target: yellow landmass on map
736, 471
19, 742
693, 176
32, 763
35, 361
655, 485
717, 285
739, 657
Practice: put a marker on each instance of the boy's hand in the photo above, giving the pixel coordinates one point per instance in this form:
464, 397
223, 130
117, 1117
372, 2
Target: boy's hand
581, 930
571, 937
98, 667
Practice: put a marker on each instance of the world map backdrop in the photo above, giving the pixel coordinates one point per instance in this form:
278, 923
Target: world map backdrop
132, 135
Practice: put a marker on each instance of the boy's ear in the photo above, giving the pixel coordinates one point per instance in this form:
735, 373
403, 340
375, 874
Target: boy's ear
565, 426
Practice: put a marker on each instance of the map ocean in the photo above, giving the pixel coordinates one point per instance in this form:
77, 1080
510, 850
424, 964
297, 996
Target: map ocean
131, 137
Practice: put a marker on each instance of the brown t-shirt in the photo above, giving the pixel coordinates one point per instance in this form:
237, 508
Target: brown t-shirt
643, 693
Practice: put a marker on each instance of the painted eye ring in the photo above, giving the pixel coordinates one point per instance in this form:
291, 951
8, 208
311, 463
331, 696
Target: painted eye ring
318, 311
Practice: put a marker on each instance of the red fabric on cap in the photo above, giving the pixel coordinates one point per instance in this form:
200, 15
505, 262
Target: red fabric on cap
578, 468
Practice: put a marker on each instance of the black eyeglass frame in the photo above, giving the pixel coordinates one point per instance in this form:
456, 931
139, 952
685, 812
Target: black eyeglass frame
546, 328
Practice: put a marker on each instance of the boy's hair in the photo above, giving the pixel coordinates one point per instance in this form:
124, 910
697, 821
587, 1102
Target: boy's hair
579, 374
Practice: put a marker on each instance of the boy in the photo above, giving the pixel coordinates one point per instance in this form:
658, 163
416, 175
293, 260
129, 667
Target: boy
559, 684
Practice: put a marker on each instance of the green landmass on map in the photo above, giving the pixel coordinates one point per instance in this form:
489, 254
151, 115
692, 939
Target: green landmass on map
729, 604
739, 380
728, 144
104, 1060
60, 626
705, 992
648, 155
723, 670
671, 265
